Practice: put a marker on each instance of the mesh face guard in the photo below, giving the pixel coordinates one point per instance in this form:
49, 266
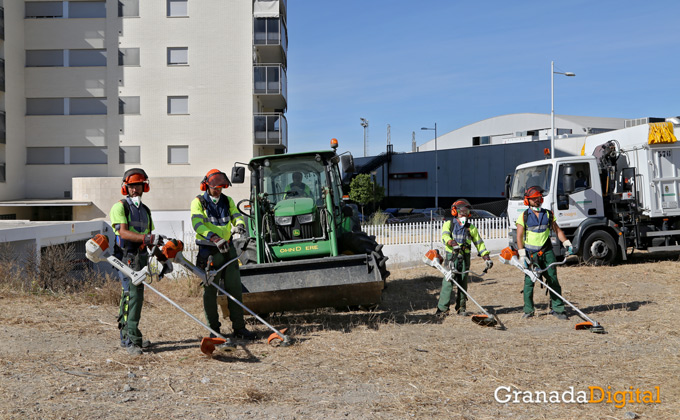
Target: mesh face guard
218, 179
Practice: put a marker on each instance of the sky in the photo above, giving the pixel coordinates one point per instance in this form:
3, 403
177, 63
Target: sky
411, 64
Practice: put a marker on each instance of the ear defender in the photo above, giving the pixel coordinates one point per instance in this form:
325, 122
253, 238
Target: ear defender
204, 184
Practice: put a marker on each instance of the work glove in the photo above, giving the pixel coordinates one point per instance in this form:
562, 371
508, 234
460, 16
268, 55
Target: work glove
240, 230
167, 269
222, 244
488, 261
453, 244
523, 257
570, 249
151, 240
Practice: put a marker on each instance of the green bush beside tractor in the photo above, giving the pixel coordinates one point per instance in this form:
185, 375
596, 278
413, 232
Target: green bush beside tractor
306, 248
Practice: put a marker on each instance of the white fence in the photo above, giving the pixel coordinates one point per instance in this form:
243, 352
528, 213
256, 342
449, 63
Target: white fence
431, 232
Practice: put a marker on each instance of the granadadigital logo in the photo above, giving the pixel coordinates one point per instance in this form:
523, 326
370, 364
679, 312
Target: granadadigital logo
594, 395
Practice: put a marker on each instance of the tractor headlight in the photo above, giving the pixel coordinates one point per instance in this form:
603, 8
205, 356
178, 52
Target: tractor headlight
284, 220
306, 218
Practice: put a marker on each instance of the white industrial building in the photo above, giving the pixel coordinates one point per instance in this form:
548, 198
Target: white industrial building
93, 88
521, 127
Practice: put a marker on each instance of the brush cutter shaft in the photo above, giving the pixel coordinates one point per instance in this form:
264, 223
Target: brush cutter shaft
449, 277
535, 277
217, 334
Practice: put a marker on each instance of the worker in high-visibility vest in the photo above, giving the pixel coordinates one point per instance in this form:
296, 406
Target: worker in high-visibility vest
458, 235
535, 248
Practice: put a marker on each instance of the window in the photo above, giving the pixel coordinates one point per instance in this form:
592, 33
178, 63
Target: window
129, 154
88, 155
177, 8
87, 106
44, 58
44, 9
178, 105
2, 174
178, 155
44, 106
128, 56
178, 55
86, 9
87, 58
128, 105
45, 156
128, 8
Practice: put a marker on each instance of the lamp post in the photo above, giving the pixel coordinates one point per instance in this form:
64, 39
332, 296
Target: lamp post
364, 123
436, 166
552, 104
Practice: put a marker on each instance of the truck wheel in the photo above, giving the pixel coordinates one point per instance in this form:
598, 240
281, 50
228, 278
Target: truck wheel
599, 248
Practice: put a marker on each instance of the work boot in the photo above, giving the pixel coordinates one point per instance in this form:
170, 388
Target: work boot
441, 314
463, 312
134, 350
559, 315
245, 334
146, 344
527, 316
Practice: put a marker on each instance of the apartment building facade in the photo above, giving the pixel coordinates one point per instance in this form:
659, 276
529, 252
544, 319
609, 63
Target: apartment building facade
95, 87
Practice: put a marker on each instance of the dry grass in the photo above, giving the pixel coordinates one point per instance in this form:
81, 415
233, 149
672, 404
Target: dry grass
391, 363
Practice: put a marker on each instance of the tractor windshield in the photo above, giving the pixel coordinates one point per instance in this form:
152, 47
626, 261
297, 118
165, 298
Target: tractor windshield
294, 178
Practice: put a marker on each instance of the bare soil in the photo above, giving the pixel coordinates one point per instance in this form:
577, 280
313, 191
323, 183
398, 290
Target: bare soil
60, 356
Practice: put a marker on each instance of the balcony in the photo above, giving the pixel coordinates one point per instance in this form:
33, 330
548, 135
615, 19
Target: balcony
271, 39
270, 129
3, 130
271, 85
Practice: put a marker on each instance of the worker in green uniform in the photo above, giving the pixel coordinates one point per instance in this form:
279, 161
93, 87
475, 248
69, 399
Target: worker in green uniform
132, 224
535, 248
213, 216
458, 235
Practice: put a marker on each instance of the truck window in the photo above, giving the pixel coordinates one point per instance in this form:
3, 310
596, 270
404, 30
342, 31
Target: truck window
581, 179
530, 177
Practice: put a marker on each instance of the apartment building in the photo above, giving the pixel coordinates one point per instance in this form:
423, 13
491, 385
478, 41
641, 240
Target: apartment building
92, 88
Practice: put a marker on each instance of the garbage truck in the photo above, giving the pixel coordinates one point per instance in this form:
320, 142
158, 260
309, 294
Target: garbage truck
305, 248
619, 195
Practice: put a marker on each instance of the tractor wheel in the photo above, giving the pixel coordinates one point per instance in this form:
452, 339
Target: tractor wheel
361, 243
599, 248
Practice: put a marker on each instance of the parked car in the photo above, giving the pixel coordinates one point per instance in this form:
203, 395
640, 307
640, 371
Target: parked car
481, 214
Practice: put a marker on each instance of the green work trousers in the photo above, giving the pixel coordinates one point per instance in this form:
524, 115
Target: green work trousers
228, 279
550, 278
131, 302
461, 262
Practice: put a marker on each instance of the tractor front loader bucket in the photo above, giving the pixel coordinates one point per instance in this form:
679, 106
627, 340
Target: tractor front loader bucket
345, 280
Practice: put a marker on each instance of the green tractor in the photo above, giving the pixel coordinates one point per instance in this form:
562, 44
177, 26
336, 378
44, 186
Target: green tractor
306, 249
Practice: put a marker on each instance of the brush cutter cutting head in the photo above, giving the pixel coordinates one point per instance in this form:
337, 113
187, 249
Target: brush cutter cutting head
276, 340
507, 254
210, 344
432, 255
587, 325
484, 320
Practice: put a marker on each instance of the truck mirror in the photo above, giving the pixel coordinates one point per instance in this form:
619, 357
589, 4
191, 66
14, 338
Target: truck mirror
508, 182
568, 181
238, 174
562, 202
347, 163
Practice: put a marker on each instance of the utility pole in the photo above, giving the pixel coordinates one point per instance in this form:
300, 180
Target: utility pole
413, 142
389, 135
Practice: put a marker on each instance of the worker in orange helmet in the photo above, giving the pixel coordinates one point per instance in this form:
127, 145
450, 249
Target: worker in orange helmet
458, 235
132, 224
214, 216
535, 248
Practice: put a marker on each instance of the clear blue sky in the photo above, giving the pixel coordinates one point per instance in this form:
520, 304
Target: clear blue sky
413, 63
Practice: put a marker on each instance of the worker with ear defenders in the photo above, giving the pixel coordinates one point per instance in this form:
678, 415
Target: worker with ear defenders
458, 235
132, 224
213, 216
535, 248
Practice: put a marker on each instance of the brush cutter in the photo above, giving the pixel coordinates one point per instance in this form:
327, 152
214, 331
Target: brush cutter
510, 256
434, 259
97, 250
173, 250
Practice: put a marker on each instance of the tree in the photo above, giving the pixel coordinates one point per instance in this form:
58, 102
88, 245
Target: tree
364, 191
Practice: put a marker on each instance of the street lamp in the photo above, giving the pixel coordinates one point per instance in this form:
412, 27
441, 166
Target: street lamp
552, 104
364, 123
436, 167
